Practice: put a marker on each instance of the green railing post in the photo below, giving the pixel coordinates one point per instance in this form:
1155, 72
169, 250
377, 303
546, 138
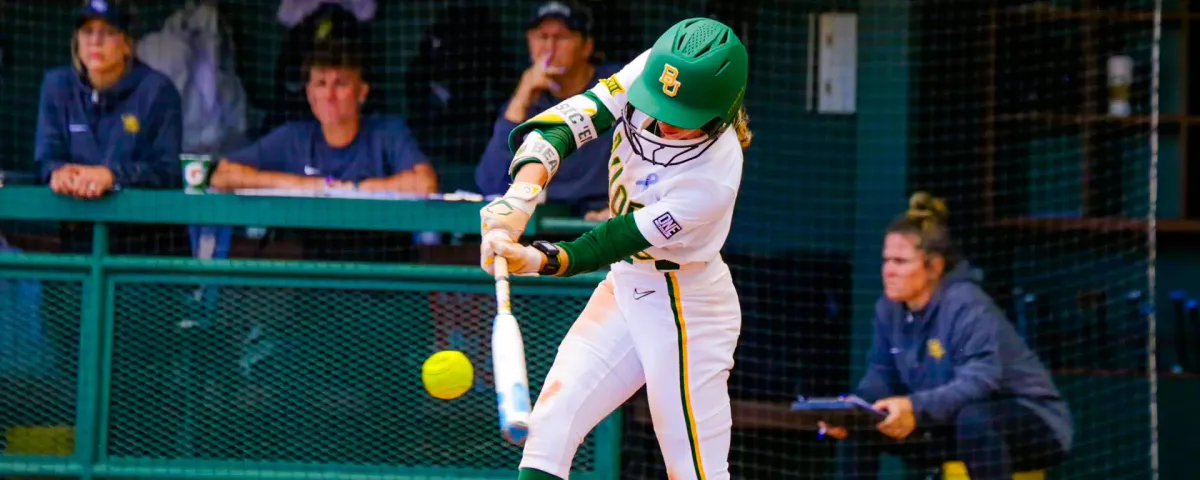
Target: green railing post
91, 339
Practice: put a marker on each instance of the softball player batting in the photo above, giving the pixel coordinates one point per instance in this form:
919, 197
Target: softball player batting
667, 314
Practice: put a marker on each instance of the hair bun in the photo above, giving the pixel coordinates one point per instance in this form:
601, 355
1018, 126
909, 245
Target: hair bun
923, 206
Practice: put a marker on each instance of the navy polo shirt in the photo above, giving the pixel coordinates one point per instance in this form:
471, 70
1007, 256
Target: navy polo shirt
135, 128
383, 147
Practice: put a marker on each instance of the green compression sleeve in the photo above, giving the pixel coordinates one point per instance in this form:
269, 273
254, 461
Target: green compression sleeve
533, 474
608, 243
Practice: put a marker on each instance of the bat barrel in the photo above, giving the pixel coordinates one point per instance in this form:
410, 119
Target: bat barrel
508, 363
511, 378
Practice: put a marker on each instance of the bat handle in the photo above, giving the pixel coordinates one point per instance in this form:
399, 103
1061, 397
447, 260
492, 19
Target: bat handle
503, 297
501, 268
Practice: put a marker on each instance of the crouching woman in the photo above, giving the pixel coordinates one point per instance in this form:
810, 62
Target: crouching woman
953, 376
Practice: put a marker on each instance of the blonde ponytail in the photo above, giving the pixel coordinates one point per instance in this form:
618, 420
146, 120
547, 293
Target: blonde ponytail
927, 211
741, 126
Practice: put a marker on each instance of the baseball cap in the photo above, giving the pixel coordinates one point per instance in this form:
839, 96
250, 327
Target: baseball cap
576, 17
106, 10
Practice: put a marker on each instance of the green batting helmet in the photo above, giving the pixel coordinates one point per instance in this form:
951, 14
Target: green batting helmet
695, 76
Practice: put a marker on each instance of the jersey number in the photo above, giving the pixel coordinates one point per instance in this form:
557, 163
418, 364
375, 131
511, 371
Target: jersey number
619, 203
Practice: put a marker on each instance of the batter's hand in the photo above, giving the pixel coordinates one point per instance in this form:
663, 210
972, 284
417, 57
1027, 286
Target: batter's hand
522, 260
510, 213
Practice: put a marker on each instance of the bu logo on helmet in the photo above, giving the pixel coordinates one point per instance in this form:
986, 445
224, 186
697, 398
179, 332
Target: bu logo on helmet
669, 82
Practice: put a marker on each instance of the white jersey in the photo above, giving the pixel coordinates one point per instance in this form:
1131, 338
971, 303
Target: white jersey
672, 328
684, 210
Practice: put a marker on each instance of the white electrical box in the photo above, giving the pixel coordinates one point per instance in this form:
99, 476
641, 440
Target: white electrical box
837, 63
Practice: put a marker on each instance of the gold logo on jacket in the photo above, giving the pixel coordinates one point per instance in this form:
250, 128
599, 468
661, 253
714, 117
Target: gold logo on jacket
935, 349
132, 125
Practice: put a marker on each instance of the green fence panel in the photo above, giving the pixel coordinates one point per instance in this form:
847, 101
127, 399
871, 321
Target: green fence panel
186, 368
311, 375
39, 367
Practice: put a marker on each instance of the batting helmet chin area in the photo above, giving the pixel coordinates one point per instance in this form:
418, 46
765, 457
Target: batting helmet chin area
695, 77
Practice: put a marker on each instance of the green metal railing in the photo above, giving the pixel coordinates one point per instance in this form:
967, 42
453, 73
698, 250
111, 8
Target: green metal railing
203, 369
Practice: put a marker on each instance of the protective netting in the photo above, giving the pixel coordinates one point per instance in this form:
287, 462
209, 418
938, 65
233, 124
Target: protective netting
312, 375
39, 337
1000, 107
1035, 119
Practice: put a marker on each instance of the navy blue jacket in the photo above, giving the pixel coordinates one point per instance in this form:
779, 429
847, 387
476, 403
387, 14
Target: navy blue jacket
383, 147
135, 128
582, 177
959, 349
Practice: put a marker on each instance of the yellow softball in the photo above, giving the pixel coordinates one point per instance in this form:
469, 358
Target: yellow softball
447, 374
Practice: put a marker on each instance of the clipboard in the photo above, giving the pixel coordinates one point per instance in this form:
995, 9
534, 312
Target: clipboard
843, 411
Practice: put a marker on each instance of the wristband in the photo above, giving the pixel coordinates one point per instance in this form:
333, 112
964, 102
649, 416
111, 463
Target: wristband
554, 261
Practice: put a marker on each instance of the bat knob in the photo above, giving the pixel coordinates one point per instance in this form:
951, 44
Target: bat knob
516, 434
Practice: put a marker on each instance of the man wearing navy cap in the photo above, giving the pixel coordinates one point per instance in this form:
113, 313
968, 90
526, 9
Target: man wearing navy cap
559, 37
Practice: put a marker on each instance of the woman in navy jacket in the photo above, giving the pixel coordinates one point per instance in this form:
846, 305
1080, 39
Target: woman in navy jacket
108, 122
955, 379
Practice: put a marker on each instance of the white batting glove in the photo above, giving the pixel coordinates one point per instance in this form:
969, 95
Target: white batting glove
523, 260
510, 213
